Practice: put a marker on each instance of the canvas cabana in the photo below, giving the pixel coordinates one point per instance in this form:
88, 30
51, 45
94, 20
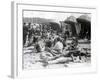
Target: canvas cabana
85, 22
72, 22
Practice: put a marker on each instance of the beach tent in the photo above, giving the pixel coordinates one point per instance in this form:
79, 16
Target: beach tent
85, 22
72, 21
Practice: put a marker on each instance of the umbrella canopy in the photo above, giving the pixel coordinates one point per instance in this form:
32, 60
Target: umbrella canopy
84, 18
54, 26
71, 19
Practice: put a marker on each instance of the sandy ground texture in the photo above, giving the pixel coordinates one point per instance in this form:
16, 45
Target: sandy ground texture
32, 60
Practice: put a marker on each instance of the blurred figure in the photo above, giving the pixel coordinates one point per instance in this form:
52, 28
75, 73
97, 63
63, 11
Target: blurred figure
25, 33
74, 43
40, 45
48, 45
58, 47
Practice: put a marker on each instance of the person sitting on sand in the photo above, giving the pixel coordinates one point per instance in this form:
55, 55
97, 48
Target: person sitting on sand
40, 45
58, 47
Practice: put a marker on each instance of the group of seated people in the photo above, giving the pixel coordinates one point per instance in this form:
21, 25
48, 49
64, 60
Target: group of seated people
54, 43
56, 48
59, 50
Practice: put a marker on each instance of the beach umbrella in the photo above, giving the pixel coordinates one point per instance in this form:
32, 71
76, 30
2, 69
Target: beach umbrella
54, 26
84, 18
85, 21
71, 19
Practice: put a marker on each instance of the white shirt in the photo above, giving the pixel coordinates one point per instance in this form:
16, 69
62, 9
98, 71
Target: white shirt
42, 45
58, 46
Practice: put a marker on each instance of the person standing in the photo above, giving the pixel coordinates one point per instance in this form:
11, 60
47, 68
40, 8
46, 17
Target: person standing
25, 33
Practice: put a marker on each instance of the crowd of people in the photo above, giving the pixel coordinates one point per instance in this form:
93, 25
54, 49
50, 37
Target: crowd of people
55, 42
